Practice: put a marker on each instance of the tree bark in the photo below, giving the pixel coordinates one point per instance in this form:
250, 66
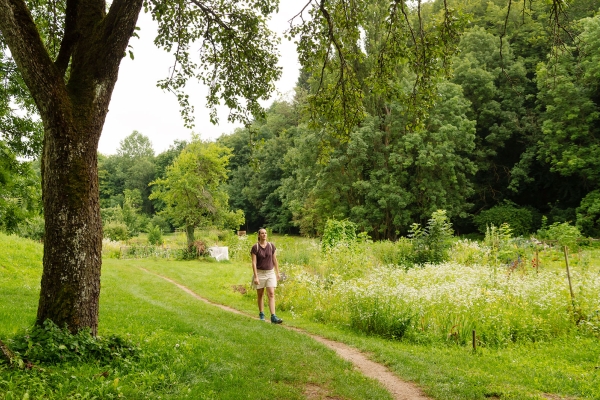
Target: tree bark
73, 110
189, 231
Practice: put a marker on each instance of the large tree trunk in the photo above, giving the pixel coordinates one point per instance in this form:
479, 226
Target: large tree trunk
72, 249
73, 107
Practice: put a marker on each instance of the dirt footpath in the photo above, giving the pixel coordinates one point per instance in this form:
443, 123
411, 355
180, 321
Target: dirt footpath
399, 389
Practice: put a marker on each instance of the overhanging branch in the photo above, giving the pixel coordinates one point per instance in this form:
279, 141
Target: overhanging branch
23, 39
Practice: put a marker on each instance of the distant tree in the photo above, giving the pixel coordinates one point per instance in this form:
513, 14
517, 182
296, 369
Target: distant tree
135, 146
193, 190
166, 158
570, 97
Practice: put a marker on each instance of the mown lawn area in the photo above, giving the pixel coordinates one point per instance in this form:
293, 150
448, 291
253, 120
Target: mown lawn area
188, 349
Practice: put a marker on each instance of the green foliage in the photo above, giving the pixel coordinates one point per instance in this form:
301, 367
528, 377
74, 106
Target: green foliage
564, 234
20, 190
193, 190
49, 344
375, 315
132, 168
132, 217
21, 130
32, 228
588, 215
398, 253
519, 219
238, 57
116, 231
431, 244
568, 90
498, 240
360, 61
162, 223
256, 167
155, 236
135, 146
338, 233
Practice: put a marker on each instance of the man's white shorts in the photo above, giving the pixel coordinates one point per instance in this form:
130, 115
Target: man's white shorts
266, 278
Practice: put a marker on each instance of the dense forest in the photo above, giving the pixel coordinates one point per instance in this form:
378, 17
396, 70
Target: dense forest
507, 130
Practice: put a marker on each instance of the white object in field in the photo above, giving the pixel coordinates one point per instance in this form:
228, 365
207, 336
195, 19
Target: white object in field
219, 253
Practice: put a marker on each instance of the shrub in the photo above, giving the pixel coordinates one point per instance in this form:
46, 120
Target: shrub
32, 228
155, 236
468, 252
588, 214
116, 231
378, 315
51, 345
565, 234
519, 219
431, 244
338, 232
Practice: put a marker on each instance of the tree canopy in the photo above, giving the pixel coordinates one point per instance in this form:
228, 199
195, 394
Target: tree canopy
193, 189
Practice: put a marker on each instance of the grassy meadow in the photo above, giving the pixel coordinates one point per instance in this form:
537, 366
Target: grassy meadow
188, 349
532, 340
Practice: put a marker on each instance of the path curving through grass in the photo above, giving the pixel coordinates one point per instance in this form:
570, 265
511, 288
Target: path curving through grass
399, 389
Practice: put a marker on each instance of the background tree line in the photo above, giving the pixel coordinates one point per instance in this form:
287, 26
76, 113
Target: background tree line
510, 135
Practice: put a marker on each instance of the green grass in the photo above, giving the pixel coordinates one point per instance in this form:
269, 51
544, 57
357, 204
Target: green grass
189, 349
193, 350
568, 366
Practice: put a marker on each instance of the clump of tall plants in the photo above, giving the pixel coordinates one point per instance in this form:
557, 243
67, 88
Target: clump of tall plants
432, 242
338, 233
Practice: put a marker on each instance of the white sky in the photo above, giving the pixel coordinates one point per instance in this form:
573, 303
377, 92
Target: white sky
137, 104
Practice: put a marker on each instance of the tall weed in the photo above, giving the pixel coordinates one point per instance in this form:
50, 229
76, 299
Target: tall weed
431, 244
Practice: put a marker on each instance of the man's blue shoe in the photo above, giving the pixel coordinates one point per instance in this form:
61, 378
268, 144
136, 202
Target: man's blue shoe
261, 316
275, 319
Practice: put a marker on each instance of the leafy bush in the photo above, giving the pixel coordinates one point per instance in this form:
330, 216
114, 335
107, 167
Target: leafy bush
338, 232
155, 236
51, 345
32, 228
431, 244
564, 233
588, 214
116, 231
519, 219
